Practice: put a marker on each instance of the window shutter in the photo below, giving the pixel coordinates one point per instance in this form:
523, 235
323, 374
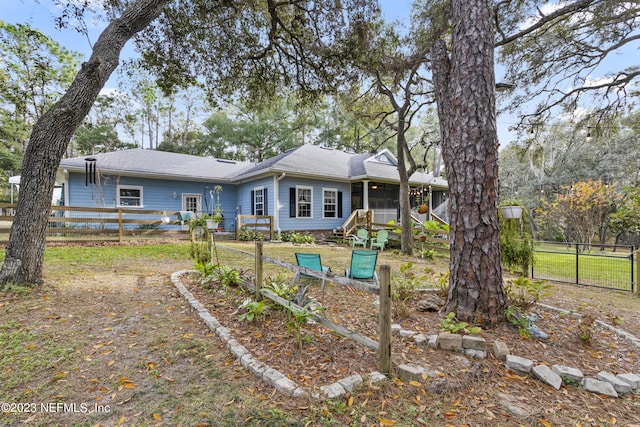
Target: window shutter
292, 202
253, 202
339, 204
265, 202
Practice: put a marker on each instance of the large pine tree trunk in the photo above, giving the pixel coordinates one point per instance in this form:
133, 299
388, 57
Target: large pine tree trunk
465, 92
49, 140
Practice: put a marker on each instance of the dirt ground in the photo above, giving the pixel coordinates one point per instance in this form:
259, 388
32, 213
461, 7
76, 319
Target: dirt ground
125, 349
323, 357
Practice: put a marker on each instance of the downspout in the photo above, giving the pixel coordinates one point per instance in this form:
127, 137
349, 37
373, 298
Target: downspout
276, 202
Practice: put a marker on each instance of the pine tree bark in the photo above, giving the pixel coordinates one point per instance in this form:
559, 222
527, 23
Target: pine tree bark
465, 91
50, 137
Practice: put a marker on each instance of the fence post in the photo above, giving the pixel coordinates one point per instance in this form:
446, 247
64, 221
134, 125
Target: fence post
577, 264
258, 270
120, 230
384, 352
637, 276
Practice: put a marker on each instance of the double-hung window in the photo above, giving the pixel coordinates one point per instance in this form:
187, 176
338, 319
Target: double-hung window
304, 201
258, 201
329, 202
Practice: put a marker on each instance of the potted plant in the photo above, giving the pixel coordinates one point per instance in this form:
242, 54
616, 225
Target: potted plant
511, 209
216, 218
422, 207
516, 239
198, 227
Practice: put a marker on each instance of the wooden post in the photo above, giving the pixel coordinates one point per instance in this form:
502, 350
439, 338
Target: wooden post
120, 231
384, 352
258, 271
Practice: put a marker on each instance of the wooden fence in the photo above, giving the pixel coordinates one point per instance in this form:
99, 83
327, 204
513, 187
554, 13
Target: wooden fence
424, 238
74, 223
256, 223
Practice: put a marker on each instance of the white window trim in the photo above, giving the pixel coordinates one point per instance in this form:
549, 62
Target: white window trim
335, 192
130, 187
304, 187
255, 205
197, 196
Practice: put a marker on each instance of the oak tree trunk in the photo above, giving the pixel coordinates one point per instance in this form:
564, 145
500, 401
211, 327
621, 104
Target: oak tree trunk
406, 237
49, 139
465, 91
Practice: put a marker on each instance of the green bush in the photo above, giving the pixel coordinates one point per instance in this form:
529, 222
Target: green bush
299, 238
247, 235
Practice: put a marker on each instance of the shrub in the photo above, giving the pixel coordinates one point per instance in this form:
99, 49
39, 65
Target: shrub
295, 237
248, 235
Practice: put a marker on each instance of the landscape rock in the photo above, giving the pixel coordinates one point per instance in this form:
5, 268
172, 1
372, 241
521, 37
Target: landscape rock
433, 341
475, 343
351, 382
621, 387
631, 379
593, 385
430, 302
515, 407
332, 391
448, 341
410, 372
270, 376
520, 364
478, 354
375, 377
404, 333
286, 386
568, 374
500, 350
547, 376
420, 339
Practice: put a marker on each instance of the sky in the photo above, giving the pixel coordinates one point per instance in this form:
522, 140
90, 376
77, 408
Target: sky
41, 13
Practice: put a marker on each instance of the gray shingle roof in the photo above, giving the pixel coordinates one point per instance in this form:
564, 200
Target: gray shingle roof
160, 164
306, 160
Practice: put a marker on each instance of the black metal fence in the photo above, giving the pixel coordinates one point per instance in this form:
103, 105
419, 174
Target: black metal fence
605, 266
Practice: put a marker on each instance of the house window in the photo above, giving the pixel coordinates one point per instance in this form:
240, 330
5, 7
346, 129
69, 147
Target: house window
258, 201
192, 202
130, 196
303, 202
329, 202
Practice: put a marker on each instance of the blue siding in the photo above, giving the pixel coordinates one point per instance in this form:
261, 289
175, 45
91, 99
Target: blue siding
235, 199
244, 195
157, 194
317, 222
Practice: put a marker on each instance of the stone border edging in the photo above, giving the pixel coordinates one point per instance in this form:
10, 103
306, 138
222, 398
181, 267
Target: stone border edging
604, 383
635, 341
261, 370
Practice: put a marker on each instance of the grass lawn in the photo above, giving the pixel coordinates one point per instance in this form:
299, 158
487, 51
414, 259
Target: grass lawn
605, 269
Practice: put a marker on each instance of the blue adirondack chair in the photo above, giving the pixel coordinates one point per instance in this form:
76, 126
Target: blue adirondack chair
304, 281
380, 240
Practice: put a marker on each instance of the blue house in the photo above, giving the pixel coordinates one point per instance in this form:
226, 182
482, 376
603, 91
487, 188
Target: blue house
305, 188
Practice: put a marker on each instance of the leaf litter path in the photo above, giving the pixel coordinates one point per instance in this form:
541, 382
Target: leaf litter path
117, 349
